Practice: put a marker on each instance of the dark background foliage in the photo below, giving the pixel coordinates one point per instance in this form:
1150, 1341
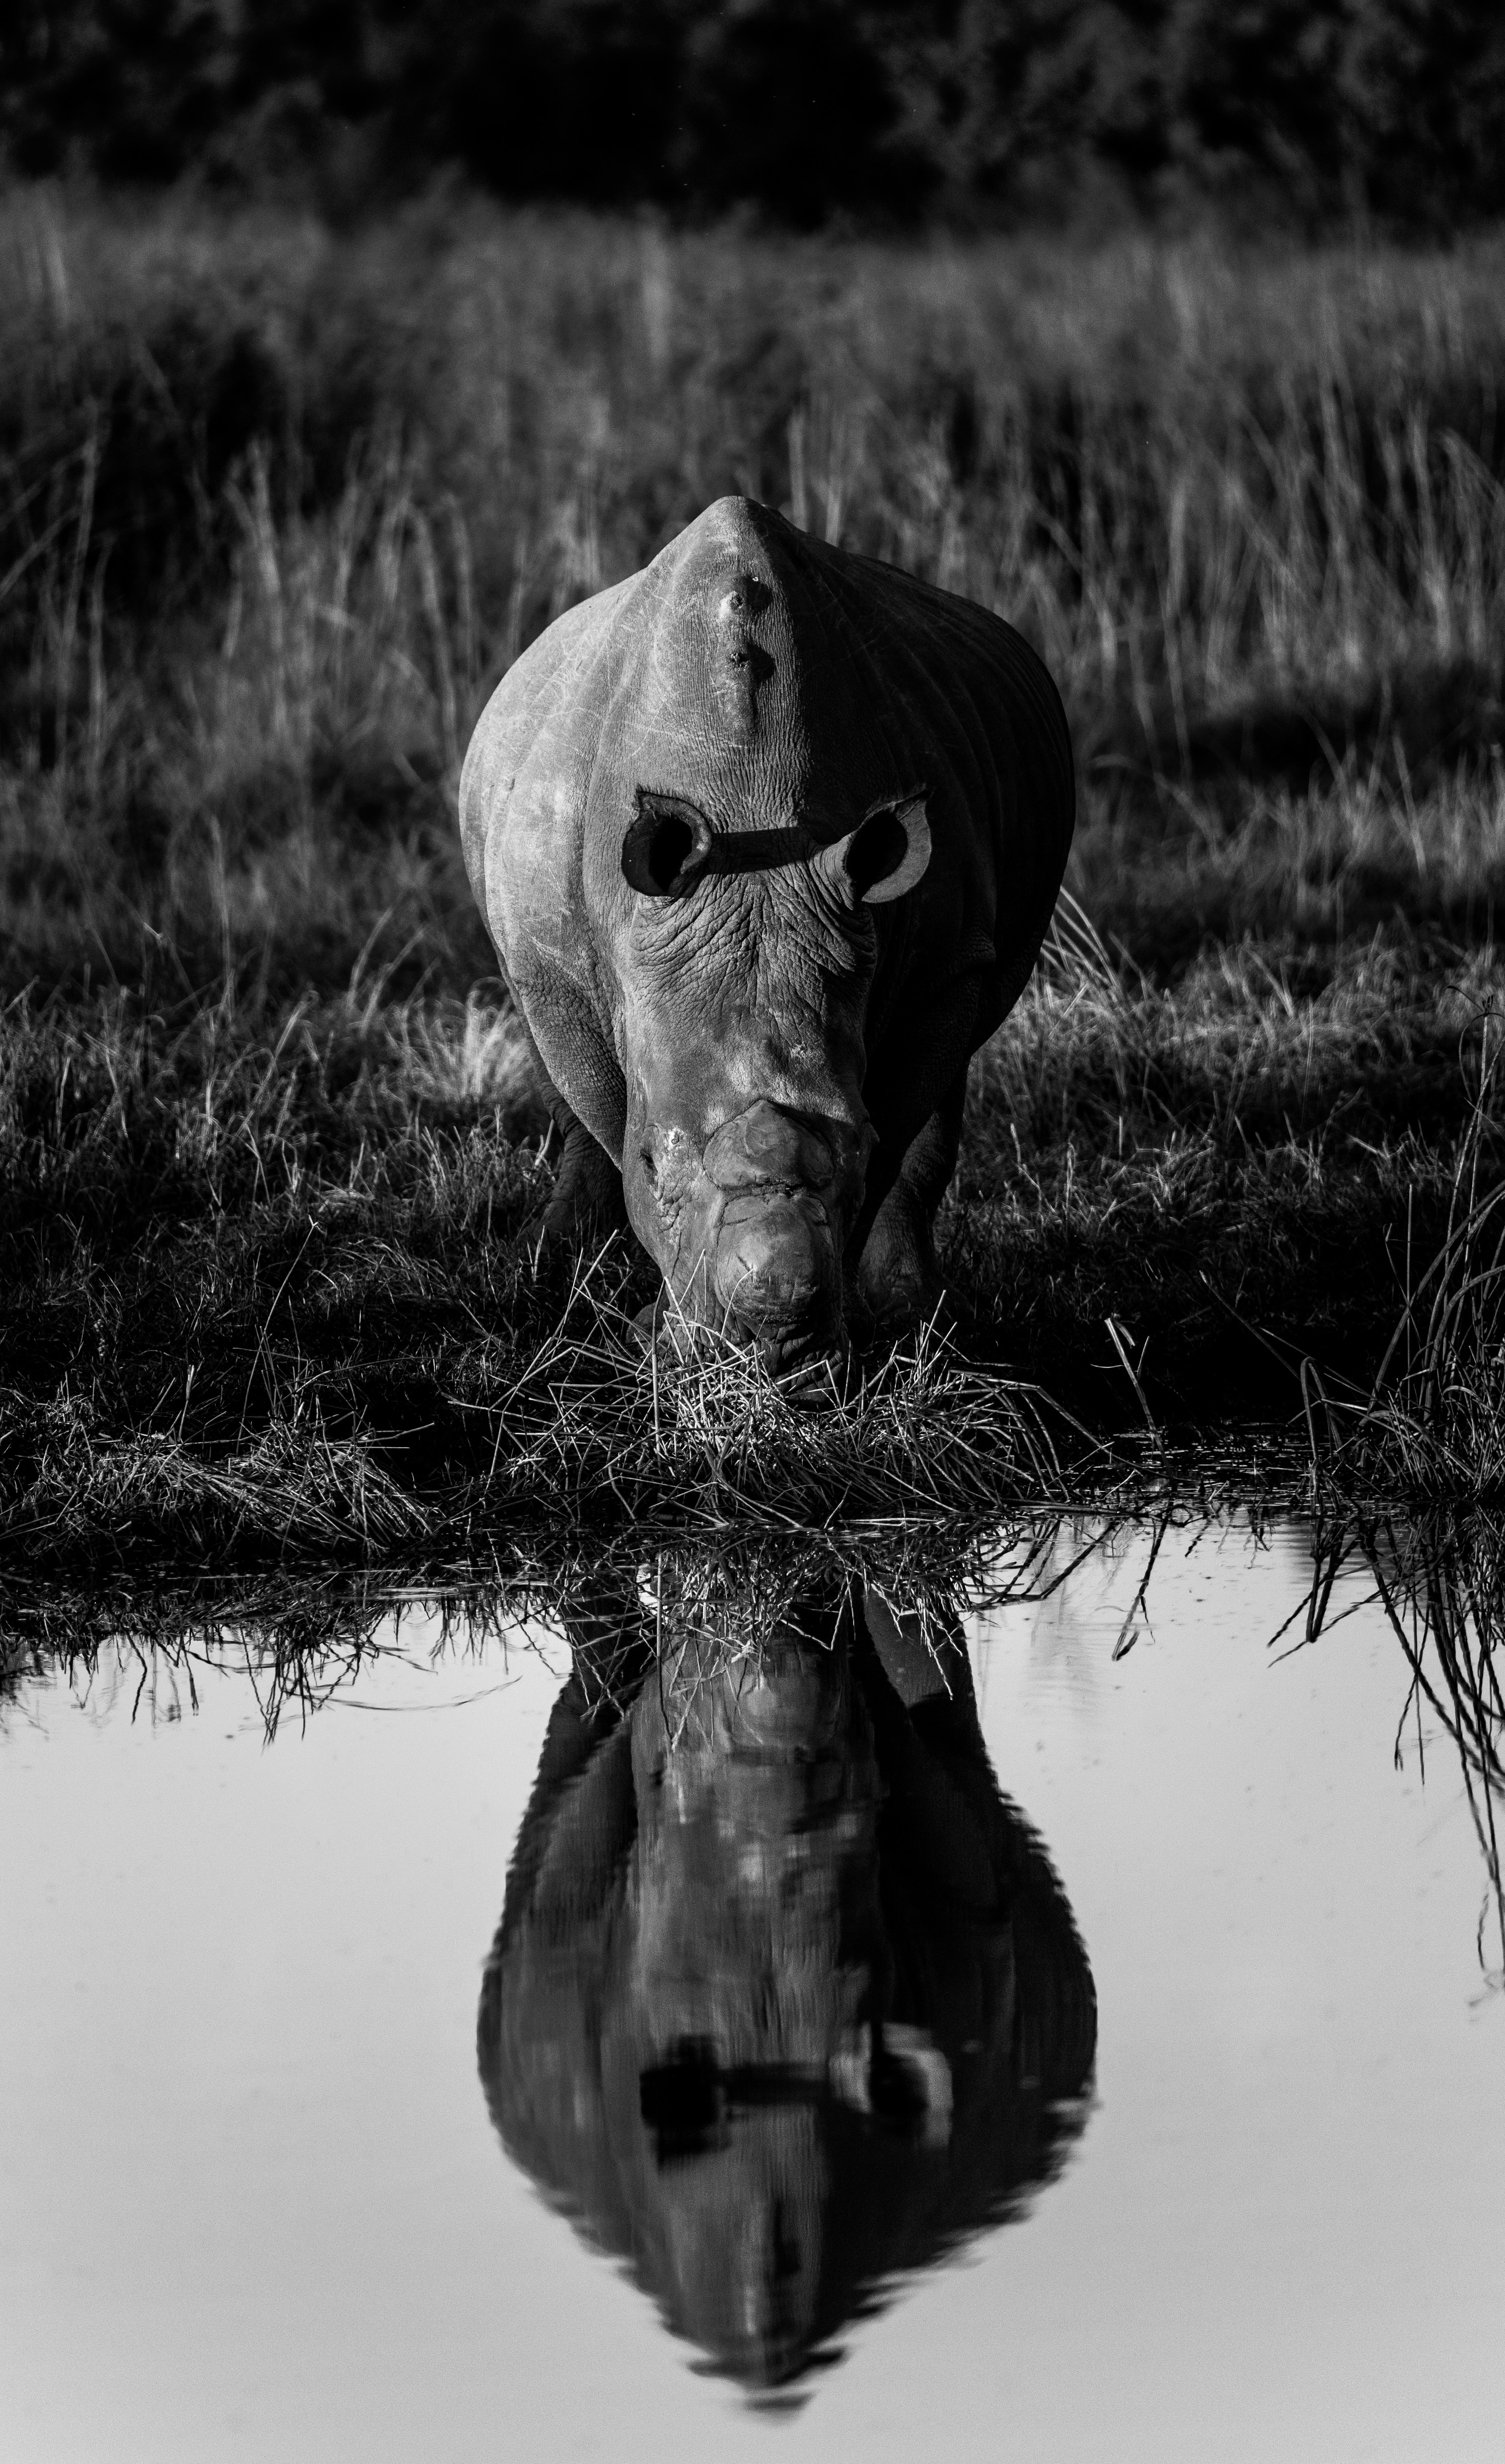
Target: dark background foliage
799, 108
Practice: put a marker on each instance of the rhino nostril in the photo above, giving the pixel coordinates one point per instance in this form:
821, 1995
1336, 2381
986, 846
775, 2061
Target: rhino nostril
645, 1158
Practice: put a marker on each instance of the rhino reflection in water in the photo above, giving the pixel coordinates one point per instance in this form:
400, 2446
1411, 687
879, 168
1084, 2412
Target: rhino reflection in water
785, 1995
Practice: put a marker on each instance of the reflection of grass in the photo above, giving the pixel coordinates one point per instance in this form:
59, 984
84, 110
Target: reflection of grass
1441, 1581
302, 1638
1432, 1426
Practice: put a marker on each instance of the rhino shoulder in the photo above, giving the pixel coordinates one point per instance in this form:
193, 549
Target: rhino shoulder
524, 784
998, 681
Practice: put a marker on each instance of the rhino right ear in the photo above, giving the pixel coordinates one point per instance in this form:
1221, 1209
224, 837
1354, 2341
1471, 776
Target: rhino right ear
668, 847
884, 855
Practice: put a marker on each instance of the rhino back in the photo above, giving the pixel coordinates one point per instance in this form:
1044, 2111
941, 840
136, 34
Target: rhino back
967, 709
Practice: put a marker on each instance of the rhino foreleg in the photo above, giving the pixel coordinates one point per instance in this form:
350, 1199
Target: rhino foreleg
898, 1280
586, 1205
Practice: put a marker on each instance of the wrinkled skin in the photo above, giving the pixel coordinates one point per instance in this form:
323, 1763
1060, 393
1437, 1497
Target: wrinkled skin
768, 837
785, 1996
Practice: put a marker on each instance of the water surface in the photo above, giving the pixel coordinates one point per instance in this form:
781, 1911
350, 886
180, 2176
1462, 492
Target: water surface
257, 2193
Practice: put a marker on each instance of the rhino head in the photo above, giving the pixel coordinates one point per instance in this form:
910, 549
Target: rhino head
746, 1145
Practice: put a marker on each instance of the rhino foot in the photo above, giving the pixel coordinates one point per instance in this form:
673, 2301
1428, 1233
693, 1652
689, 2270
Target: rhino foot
586, 1205
899, 1282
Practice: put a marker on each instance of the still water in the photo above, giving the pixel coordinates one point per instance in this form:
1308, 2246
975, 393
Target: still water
809, 2098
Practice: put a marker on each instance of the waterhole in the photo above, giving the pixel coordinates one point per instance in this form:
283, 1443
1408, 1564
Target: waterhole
1059, 2018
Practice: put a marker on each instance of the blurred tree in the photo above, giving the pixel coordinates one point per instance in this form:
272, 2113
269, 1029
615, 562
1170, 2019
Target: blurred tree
793, 103
130, 87
1254, 85
1121, 47
541, 98
321, 45
1423, 85
801, 107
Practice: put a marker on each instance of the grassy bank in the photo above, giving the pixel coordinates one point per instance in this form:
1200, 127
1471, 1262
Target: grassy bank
266, 1293
276, 507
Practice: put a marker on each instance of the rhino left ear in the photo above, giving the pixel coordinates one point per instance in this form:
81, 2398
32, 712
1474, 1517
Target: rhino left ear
668, 847
884, 855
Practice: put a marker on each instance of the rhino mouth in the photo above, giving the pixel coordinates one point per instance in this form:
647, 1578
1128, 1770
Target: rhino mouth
775, 1271
814, 1363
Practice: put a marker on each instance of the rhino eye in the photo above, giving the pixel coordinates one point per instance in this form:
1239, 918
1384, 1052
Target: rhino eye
877, 849
666, 847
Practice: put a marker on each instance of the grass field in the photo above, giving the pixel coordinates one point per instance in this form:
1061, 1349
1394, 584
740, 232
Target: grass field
276, 508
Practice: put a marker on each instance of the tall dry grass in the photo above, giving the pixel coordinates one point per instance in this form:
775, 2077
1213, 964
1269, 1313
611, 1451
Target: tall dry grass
276, 507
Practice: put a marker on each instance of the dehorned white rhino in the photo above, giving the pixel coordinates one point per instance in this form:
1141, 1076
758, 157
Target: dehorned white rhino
768, 837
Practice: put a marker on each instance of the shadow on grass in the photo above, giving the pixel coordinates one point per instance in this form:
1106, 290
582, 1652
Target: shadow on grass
1410, 729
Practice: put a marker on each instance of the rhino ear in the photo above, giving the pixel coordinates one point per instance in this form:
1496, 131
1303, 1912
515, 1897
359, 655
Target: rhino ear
667, 847
903, 2076
884, 855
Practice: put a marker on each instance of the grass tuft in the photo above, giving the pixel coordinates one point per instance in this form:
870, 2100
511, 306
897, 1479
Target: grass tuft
1432, 1427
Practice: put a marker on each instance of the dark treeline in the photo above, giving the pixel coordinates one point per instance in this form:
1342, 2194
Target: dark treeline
799, 108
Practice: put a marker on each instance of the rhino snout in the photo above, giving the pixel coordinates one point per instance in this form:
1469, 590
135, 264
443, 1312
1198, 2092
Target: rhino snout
775, 1270
749, 1225
766, 1147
